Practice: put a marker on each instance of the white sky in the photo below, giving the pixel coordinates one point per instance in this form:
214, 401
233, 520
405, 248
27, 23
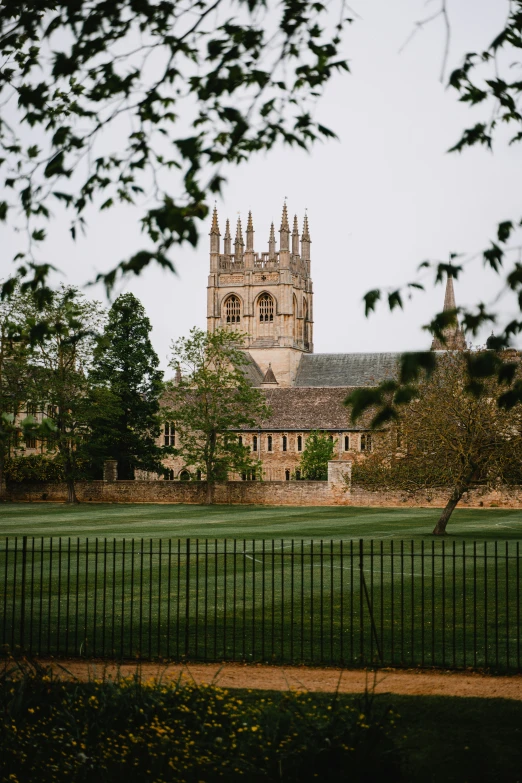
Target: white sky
382, 199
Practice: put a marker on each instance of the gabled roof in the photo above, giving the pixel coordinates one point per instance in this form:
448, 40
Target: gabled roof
309, 409
346, 369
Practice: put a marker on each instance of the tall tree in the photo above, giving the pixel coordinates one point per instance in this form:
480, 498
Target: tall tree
126, 385
60, 364
149, 103
211, 400
452, 435
15, 376
318, 451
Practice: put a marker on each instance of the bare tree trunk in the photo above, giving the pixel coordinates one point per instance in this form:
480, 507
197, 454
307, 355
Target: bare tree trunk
440, 527
210, 493
71, 492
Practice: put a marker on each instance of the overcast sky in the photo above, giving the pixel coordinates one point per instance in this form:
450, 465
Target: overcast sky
380, 200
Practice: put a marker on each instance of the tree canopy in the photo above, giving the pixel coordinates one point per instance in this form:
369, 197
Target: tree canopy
125, 389
212, 399
148, 103
450, 435
318, 451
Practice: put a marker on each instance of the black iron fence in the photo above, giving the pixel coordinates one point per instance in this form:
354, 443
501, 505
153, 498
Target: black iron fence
383, 602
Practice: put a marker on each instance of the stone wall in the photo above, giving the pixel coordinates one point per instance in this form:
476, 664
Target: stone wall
264, 493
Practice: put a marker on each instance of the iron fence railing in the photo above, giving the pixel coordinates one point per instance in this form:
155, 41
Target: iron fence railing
384, 602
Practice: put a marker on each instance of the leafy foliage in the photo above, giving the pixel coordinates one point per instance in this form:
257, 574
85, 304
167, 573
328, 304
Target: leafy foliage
318, 451
34, 467
147, 103
211, 401
125, 389
60, 364
451, 434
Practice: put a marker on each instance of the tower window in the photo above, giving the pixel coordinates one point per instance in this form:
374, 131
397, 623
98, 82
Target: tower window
169, 434
285, 442
366, 442
232, 310
266, 308
269, 443
347, 443
254, 443
299, 443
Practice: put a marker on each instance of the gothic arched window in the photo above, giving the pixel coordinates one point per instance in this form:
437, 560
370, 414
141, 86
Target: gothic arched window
347, 443
232, 310
299, 443
269, 443
266, 308
285, 442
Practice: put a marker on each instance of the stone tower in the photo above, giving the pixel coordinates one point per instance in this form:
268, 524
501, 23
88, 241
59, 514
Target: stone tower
268, 295
455, 339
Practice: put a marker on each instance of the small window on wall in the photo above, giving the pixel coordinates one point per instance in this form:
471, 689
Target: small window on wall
254, 443
243, 476
233, 310
269, 443
366, 442
298, 475
347, 443
299, 443
169, 475
287, 475
198, 475
240, 440
30, 443
285, 443
331, 438
169, 434
31, 409
184, 475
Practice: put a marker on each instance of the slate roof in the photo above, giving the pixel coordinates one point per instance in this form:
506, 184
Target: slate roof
253, 371
345, 369
309, 409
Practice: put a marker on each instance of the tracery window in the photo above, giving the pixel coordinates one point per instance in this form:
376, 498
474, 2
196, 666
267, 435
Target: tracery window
169, 434
232, 310
266, 308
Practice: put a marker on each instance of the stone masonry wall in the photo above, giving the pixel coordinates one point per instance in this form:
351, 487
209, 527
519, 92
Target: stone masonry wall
264, 493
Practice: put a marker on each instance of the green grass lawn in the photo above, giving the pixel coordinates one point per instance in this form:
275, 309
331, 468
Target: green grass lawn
188, 521
263, 584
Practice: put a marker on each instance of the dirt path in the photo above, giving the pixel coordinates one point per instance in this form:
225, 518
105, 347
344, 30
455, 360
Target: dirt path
279, 678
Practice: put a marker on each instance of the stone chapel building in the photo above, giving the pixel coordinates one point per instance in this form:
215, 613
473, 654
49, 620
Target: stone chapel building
269, 296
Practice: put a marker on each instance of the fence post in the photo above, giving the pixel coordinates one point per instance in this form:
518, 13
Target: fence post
370, 607
22, 595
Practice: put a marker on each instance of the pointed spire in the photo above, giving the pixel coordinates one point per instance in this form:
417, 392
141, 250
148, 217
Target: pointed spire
272, 242
306, 231
238, 242
269, 376
215, 225
449, 297
228, 239
284, 231
214, 232
250, 233
295, 238
305, 241
454, 336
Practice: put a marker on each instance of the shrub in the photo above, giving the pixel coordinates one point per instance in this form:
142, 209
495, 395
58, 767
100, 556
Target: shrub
152, 731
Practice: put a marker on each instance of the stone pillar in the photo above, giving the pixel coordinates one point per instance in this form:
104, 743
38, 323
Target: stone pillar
339, 474
110, 470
